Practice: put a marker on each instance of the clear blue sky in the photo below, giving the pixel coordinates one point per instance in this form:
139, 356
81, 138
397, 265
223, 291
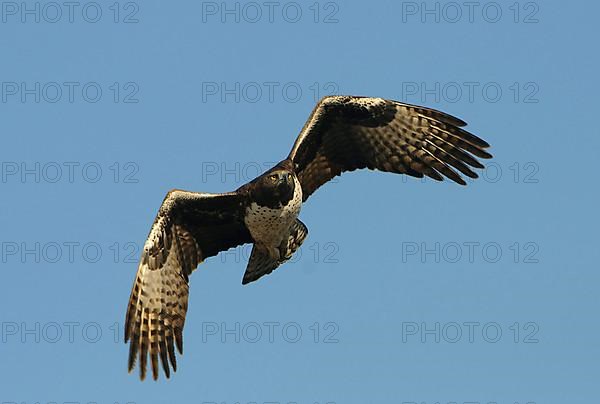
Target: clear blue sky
405, 291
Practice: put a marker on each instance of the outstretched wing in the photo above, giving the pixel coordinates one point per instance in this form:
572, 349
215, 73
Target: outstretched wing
345, 133
189, 227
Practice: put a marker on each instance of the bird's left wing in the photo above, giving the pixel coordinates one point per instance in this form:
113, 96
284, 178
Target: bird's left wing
189, 227
345, 133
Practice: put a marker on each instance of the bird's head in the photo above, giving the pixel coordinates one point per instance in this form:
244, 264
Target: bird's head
275, 188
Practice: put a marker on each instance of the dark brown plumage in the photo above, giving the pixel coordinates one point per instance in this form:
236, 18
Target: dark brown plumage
189, 228
347, 133
343, 133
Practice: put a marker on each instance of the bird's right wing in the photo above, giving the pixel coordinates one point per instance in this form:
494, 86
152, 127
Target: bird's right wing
346, 133
189, 227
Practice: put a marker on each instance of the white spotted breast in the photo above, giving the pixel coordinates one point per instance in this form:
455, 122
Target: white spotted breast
269, 226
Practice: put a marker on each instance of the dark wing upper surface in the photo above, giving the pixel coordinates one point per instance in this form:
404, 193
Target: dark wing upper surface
346, 133
189, 227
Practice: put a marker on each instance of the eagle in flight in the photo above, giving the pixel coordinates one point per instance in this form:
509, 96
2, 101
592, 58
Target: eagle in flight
343, 133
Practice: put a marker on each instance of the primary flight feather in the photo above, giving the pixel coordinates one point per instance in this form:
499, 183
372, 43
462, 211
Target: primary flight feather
343, 133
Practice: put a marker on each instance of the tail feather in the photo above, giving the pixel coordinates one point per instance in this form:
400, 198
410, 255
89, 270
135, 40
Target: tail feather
262, 263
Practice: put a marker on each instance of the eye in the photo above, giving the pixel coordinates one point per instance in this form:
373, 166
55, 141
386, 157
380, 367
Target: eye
273, 177
289, 176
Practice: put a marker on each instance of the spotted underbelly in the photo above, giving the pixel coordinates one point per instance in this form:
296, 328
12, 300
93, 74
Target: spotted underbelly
270, 226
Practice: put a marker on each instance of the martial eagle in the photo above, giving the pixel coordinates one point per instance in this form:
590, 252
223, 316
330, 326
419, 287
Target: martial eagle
343, 133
